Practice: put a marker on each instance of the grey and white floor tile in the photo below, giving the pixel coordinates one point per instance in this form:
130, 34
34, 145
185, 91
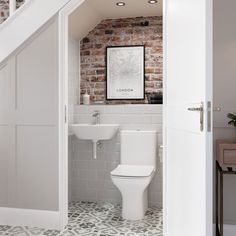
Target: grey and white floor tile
96, 219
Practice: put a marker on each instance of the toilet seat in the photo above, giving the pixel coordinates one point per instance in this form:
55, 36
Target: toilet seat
133, 171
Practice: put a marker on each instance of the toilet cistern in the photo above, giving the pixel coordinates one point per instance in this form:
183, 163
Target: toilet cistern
97, 116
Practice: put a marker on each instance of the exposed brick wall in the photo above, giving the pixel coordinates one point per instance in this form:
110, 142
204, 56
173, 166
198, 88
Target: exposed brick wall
4, 8
121, 32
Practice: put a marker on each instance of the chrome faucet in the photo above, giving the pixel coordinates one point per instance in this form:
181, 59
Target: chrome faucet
96, 115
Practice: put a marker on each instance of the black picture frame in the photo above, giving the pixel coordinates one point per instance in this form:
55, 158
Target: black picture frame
123, 92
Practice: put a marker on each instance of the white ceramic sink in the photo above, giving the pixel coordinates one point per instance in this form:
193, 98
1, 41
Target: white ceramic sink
94, 133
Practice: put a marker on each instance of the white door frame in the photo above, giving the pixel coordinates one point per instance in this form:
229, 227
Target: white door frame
63, 77
63, 110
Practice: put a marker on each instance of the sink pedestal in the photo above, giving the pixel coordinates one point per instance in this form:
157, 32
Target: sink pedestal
95, 144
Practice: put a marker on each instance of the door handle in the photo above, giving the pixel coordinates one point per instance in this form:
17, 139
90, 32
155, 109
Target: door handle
65, 114
201, 110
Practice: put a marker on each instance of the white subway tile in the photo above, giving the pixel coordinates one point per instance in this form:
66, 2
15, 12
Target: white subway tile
87, 174
89, 194
109, 185
101, 155
111, 165
153, 109
108, 194
141, 109
139, 126
97, 165
93, 108
111, 119
82, 164
96, 173
103, 175
137, 119
83, 119
133, 109
113, 156
157, 119
80, 109
114, 109
96, 184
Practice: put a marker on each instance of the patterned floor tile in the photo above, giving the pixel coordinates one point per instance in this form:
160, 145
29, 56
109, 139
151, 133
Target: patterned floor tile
96, 219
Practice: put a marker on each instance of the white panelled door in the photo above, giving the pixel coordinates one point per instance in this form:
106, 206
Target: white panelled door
188, 134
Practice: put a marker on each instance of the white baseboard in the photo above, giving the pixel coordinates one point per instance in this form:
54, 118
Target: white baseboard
229, 230
25, 217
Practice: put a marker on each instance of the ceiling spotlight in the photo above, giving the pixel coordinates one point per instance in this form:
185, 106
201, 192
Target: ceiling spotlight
152, 1
120, 4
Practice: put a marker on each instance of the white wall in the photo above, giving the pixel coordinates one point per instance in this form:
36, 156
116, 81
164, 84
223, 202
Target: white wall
26, 21
29, 88
73, 92
224, 87
90, 179
73, 75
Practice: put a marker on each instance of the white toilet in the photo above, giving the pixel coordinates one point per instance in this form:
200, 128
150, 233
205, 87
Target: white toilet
135, 172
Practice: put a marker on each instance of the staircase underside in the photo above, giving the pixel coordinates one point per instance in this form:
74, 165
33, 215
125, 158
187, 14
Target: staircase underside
25, 22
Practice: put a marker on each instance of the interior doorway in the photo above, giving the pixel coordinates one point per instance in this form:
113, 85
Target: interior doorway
93, 28
196, 100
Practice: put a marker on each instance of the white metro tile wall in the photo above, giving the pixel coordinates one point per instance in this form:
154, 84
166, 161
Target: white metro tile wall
90, 179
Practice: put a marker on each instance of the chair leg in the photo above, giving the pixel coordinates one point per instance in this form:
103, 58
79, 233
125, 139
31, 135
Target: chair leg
217, 201
221, 205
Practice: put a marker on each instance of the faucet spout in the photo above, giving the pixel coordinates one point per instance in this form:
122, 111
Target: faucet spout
96, 115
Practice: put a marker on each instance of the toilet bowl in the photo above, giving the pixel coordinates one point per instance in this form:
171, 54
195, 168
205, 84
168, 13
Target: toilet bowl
133, 176
133, 188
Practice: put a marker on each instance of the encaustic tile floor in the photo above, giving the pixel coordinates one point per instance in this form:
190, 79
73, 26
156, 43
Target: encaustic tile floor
97, 219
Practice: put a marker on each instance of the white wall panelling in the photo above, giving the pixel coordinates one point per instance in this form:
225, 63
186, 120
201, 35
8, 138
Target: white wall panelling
29, 163
26, 21
90, 179
4, 131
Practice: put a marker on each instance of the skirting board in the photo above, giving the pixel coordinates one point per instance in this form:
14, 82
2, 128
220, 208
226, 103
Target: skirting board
229, 230
34, 218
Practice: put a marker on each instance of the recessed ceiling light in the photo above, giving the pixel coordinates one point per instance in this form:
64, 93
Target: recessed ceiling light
120, 4
152, 1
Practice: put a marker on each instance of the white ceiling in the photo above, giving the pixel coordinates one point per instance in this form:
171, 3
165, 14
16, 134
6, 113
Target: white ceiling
133, 8
82, 21
91, 12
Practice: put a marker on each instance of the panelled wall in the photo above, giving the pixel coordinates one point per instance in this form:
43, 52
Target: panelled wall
29, 124
89, 179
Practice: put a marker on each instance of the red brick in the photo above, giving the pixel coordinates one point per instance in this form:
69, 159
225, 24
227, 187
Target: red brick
118, 32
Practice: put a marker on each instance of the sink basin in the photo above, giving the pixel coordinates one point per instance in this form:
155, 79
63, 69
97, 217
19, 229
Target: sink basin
94, 132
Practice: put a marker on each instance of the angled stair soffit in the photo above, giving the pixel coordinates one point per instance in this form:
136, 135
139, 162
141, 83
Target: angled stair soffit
25, 22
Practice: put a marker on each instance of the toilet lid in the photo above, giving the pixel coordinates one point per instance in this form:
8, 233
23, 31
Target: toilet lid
133, 171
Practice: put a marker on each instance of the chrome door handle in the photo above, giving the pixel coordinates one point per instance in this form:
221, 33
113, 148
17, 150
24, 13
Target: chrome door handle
195, 109
201, 110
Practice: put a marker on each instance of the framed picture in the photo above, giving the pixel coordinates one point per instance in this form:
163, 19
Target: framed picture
125, 71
